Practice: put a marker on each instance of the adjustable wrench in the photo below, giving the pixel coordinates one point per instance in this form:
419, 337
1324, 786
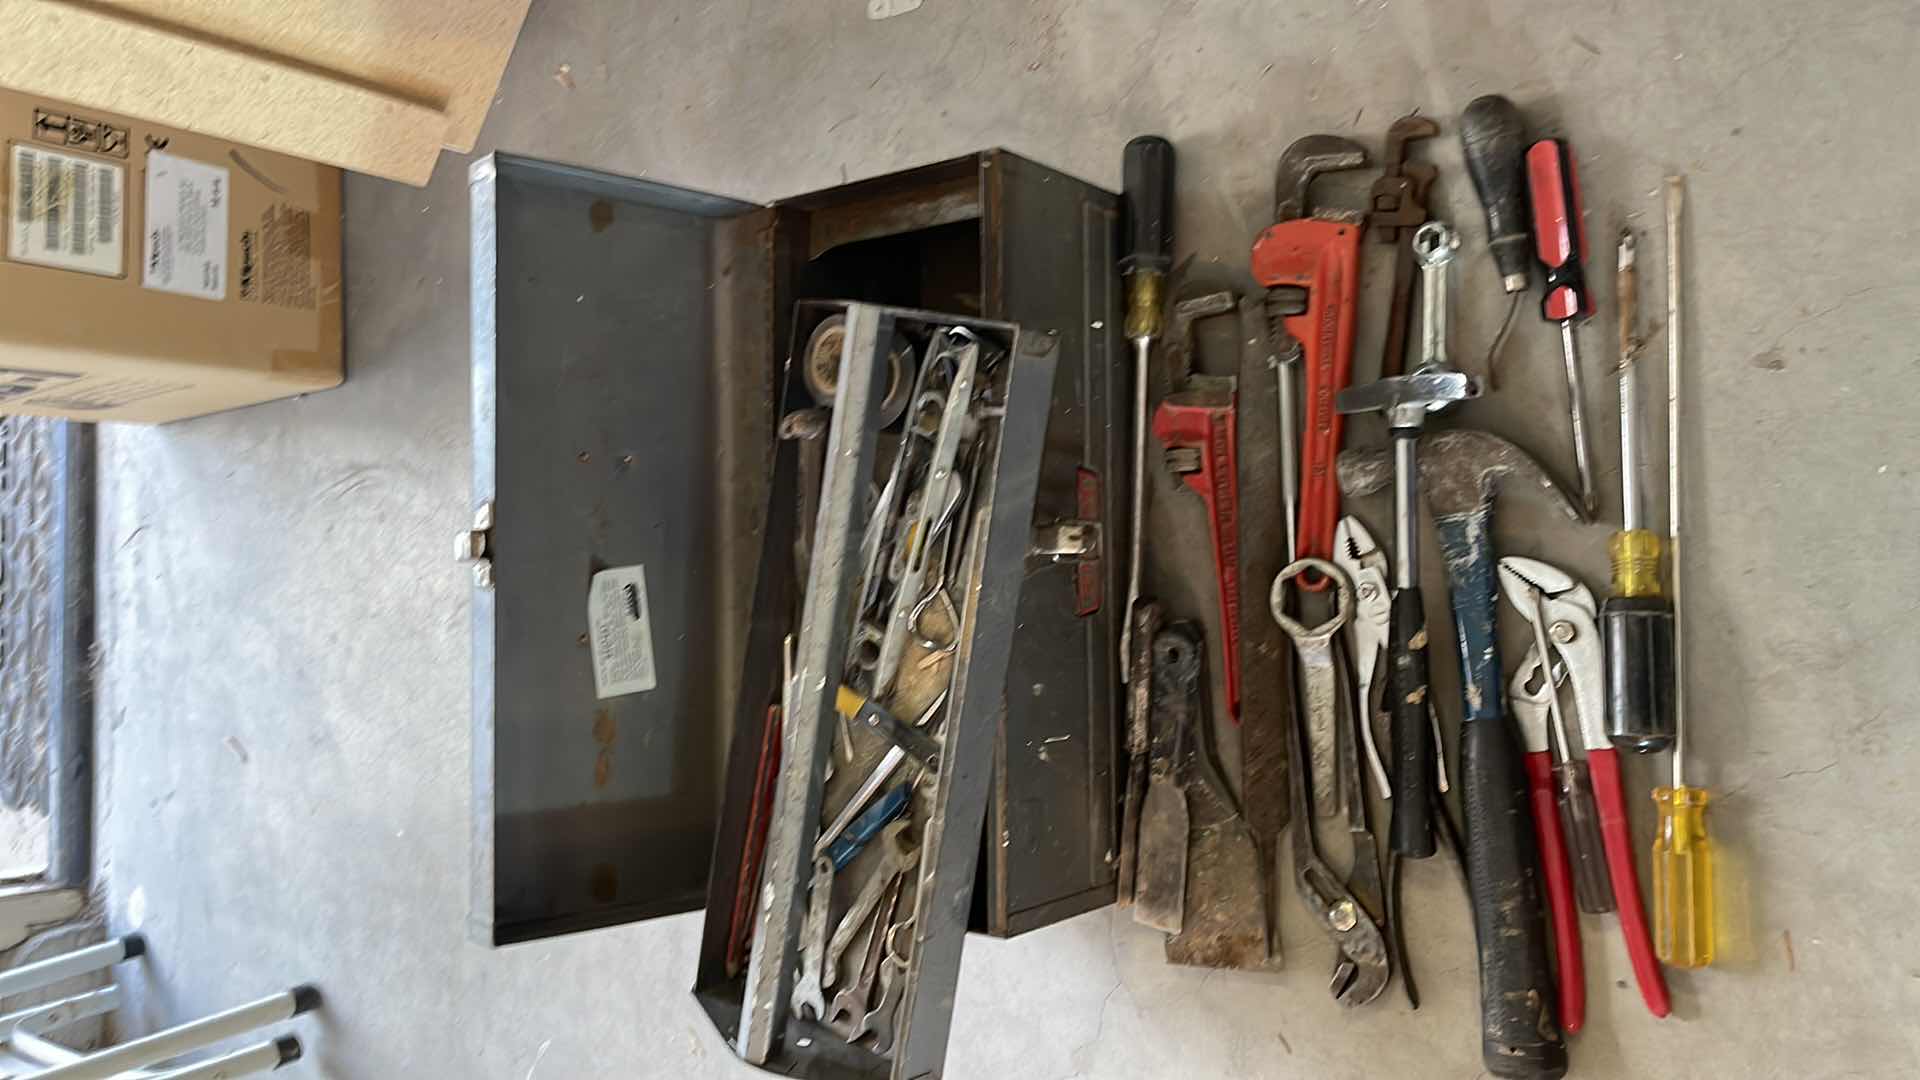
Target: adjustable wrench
1309, 263
1196, 425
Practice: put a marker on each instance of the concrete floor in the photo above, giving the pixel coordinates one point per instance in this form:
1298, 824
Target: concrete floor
284, 676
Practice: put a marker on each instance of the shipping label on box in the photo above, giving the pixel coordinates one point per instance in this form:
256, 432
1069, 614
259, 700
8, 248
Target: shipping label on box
66, 211
187, 206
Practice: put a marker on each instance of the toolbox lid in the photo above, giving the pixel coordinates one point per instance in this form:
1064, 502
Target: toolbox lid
622, 357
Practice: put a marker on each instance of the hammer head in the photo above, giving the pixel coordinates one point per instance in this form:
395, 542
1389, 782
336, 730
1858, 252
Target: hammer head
1460, 471
1306, 158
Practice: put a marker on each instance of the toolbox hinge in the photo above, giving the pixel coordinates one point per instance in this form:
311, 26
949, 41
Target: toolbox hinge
475, 545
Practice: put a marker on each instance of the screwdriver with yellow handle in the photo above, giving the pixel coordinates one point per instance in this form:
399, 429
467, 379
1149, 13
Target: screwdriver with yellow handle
1682, 853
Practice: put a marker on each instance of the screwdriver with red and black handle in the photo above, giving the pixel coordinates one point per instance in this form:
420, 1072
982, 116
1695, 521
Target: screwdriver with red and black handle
1560, 243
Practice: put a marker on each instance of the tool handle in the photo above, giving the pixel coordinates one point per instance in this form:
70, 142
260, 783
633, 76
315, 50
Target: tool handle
1493, 137
1639, 633
1566, 917
1618, 833
1580, 821
1559, 229
1411, 831
1466, 540
1519, 1038
868, 825
1683, 878
1147, 191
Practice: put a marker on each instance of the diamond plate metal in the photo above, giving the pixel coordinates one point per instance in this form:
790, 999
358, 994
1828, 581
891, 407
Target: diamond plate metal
29, 547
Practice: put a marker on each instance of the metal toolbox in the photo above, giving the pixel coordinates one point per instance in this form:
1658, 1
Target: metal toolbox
629, 340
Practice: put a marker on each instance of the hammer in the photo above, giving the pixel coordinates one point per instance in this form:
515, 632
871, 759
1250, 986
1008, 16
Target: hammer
1460, 472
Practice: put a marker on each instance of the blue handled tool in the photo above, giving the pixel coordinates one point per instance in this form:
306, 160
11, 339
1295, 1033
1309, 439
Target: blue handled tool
868, 825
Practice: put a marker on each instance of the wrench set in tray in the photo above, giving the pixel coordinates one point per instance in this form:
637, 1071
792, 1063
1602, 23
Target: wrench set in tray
1322, 629
899, 667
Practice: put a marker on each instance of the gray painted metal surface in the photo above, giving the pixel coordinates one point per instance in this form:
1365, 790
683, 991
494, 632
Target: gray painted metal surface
46, 634
618, 383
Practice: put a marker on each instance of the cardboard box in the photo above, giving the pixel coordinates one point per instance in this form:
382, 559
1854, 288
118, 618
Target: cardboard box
376, 86
150, 274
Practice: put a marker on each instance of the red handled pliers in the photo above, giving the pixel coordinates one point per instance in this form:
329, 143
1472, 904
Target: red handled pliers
1572, 629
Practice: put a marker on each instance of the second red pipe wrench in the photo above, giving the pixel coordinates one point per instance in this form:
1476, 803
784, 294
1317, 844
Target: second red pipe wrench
1196, 425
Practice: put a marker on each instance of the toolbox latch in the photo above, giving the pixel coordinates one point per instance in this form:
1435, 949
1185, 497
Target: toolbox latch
1071, 541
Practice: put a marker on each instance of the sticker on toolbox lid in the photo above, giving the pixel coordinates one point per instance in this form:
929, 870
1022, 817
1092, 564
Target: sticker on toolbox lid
186, 242
620, 625
66, 211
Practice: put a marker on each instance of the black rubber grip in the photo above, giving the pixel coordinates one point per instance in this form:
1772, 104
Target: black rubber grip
1494, 139
1639, 634
1520, 1037
1147, 194
1411, 831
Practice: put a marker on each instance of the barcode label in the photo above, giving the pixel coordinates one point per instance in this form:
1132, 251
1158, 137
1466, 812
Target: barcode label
58, 193
106, 226
82, 192
68, 211
26, 183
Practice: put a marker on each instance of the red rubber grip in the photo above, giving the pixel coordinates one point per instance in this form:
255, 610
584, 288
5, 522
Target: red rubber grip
1566, 917
1617, 835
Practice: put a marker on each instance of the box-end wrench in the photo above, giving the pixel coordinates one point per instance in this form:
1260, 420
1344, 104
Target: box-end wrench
1196, 425
1363, 969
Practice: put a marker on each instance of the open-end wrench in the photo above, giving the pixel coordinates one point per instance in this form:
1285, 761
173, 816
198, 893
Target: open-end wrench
1399, 207
1363, 968
849, 1008
1196, 425
954, 428
897, 858
1309, 263
809, 1001
893, 983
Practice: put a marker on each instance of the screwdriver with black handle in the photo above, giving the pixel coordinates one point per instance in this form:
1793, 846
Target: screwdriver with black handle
1493, 138
1637, 616
1147, 205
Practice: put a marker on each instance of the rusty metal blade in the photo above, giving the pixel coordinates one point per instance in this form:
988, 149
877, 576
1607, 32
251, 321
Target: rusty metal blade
1160, 894
1266, 668
1226, 923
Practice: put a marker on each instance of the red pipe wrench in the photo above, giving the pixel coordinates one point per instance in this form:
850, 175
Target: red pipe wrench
1309, 263
1196, 425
